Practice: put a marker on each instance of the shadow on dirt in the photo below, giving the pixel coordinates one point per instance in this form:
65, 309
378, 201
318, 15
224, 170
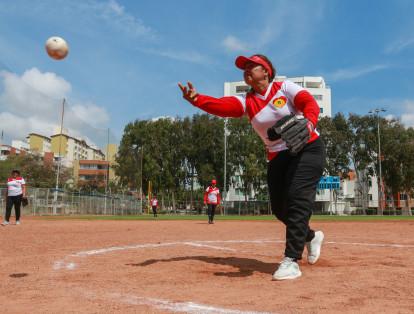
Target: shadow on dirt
246, 266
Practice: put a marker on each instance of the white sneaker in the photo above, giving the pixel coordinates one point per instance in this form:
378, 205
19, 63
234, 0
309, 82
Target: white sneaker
17, 222
5, 223
288, 269
314, 247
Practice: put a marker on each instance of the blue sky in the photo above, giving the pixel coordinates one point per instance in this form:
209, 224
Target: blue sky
126, 57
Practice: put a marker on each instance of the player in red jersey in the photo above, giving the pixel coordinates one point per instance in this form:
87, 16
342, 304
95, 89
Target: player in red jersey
212, 200
16, 191
292, 175
154, 205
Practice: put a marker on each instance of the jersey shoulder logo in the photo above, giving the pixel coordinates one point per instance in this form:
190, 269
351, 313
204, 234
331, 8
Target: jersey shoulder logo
279, 102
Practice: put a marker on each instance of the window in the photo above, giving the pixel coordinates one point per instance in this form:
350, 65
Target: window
370, 197
242, 89
318, 97
313, 84
321, 109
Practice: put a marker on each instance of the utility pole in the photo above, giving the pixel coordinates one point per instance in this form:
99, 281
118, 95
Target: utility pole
59, 160
225, 165
381, 184
107, 170
142, 157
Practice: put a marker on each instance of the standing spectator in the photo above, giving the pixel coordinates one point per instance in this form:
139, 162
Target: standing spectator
16, 190
211, 199
154, 205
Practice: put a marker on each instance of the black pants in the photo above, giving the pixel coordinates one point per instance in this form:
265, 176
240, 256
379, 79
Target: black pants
16, 201
292, 184
211, 210
154, 210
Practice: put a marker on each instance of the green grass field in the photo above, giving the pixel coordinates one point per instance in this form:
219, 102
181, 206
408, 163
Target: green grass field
235, 218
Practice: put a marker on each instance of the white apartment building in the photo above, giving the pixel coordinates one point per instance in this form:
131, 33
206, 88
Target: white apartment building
314, 84
70, 148
38, 143
21, 145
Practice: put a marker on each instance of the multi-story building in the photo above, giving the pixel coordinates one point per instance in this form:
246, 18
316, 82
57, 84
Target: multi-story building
92, 172
20, 145
70, 148
314, 84
38, 143
95, 171
7, 150
111, 152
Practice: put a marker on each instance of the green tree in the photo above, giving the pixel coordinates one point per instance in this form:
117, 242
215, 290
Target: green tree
34, 170
247, 155
334, 133
397, 158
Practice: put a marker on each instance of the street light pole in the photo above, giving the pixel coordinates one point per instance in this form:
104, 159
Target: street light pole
225, 165
135, 146
141, 190
380, 193
55, 197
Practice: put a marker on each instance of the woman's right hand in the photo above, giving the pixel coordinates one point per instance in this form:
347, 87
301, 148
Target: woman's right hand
189, 92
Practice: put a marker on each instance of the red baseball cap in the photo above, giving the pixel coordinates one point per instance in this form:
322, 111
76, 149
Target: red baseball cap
241, 62
213, 181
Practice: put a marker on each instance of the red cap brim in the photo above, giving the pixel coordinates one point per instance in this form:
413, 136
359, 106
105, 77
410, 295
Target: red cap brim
241, 62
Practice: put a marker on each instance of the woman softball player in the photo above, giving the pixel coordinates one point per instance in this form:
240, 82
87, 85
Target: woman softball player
212, 200
16, 191
284, 115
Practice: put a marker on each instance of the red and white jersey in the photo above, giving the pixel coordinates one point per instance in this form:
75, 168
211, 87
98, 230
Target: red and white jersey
279, 100
14, 186
212, 195
154, 202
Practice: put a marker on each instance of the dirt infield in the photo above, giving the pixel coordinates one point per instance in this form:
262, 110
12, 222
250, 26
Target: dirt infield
77, 266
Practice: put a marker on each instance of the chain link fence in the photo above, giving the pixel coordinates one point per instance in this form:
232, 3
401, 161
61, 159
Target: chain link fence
52, 202
60, 202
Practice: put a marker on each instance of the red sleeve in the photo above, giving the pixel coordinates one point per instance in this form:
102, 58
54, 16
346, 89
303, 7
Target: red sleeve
223, 107
205, 197
218, 198
305, 102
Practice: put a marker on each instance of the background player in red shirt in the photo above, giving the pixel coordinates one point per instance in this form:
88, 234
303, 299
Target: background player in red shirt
211, 199
154, 205
16, 190
295, 163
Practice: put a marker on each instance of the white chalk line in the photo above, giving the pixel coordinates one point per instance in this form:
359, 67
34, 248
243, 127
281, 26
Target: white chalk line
144, 246
391, 245
186, 307
68, 264
65, 264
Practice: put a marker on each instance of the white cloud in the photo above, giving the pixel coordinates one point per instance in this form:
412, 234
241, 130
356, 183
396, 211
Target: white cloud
407, 118
288, 24
91, 113
115, 14
399, 45
351, 73
109, 13
233, 44
187, 56
32, 102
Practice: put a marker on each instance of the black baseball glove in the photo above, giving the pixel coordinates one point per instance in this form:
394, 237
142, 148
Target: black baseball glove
293, 130
25, 201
